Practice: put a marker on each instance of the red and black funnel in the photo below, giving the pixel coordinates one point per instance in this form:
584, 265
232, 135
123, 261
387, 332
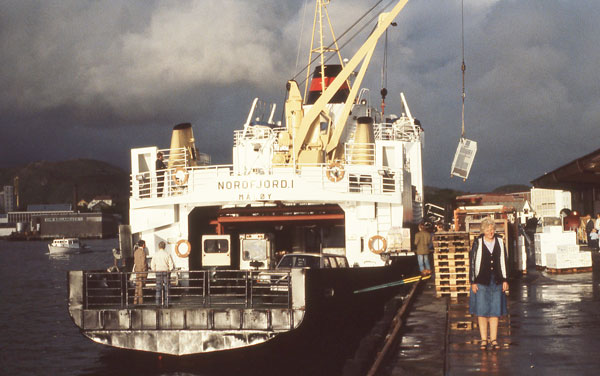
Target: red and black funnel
316, 87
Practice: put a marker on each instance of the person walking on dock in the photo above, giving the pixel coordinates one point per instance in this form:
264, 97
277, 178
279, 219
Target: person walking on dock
423, 243
488, 274
140, 267
162, 264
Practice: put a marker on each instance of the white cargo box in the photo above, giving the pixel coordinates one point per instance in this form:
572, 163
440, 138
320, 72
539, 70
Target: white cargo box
567, 248
553, 229
547, 242
569, 260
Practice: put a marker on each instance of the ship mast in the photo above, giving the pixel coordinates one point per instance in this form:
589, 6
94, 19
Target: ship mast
321, 49
304, 123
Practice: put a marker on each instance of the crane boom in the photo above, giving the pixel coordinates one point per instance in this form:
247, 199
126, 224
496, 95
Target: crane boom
364, 53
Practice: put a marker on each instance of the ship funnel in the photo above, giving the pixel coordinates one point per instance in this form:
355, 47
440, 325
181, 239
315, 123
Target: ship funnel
363, 151
316, 85
183, 147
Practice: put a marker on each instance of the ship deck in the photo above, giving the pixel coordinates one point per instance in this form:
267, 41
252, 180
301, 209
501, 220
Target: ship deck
551, 329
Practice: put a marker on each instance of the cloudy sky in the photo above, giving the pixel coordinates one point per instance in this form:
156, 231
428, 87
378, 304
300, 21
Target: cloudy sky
92, 79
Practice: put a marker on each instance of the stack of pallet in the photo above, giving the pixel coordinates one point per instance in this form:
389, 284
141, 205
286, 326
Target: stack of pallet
451, 263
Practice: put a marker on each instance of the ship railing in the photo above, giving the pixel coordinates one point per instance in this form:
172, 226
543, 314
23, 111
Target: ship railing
188, 289
402, 129
360, 153
359, 175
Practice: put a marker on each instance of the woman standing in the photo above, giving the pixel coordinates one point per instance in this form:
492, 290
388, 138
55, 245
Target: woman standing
488, 276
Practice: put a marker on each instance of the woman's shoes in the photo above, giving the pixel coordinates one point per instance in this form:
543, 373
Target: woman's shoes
483, 344
495, 345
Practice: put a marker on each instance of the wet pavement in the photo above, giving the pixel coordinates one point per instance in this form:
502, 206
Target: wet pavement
553, 328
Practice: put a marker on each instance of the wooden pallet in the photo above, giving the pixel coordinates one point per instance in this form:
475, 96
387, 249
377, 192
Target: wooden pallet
452, 294
451, 269
454, 263
453, 282
451, 243
451, 235
451, 288
451, 277
450, 249
451, 256
462, 325
569, 270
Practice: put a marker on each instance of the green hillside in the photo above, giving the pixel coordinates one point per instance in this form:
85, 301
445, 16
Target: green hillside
66, 181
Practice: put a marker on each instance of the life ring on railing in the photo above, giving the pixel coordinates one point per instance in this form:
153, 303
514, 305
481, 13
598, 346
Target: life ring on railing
377, 244
186, 248
335, 171
180, 176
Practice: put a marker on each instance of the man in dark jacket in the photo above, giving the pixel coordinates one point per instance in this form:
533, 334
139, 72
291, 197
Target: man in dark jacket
589, 226
160, 172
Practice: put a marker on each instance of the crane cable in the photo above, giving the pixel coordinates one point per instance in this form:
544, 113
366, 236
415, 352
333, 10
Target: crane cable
383, 90
463, 67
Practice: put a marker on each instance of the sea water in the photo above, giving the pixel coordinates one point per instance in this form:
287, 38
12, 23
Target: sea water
38, 337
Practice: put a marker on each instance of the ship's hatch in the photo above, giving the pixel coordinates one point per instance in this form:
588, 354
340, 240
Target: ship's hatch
298, 228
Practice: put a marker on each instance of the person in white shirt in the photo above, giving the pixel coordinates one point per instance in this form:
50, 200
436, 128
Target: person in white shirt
162, 264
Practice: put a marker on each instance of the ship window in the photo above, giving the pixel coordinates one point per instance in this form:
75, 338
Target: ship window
216, 246
342, 263
254, 249
300, 262
326, 263
286, 262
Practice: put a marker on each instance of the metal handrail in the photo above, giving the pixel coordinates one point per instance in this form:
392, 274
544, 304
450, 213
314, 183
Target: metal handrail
384, 180
190, 289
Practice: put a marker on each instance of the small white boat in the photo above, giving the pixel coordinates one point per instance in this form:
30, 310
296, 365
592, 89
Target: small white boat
65, 245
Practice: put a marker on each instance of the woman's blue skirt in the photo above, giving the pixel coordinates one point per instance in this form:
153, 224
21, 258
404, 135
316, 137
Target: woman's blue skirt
489, 301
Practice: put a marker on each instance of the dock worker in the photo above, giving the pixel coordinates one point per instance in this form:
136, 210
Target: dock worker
423, 243
140, 268
162, 264
488, 275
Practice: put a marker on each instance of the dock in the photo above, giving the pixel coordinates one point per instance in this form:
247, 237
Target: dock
552, 329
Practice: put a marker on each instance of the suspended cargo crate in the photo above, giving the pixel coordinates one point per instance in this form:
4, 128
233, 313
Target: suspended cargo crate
463, 159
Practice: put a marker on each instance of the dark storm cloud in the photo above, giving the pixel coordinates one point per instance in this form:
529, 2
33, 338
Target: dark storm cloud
95, 78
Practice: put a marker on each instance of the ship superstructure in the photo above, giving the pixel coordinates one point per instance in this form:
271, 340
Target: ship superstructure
339, 178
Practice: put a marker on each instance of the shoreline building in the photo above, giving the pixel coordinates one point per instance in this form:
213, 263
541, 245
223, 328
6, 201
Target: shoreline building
59, 220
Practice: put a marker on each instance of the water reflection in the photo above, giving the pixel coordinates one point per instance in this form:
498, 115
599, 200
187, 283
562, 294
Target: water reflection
58, 256
489, 362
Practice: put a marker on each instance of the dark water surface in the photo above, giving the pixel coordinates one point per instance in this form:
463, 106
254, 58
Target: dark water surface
37, 336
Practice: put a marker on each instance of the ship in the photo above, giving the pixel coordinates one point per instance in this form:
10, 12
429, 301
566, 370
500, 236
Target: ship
341, 179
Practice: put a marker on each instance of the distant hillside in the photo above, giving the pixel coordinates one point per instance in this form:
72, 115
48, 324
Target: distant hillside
512, 188
443, 197
59, 182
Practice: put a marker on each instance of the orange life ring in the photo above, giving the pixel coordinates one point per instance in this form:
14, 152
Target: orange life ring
377, 240
335, 171
180, 176
187, 246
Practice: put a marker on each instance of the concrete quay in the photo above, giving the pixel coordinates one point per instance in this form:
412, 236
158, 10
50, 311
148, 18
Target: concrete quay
553, 328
